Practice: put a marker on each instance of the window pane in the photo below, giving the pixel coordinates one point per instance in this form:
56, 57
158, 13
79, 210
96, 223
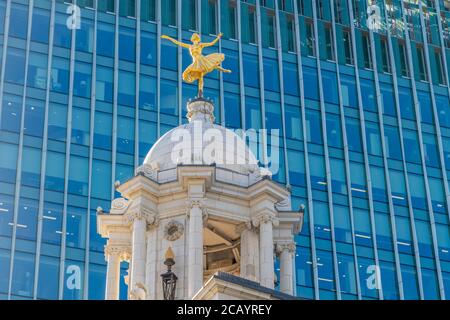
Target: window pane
11, 113
37, 70
127, 44
54, 178
57, 120
85, 36
23, 274
18, 23
148, 49
104, 86
52, 223
41, 25
48, 278
105, 39
101, 185
15, 66
78, 175
76, 227
82, 80
31, 167
127, 88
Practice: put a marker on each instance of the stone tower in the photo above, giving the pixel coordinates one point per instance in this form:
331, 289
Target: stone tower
201, 193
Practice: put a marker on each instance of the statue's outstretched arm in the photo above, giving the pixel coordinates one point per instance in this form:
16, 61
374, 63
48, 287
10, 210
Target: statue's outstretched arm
210, 44
178, 43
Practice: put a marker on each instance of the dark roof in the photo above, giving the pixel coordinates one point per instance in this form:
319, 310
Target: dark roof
253, 285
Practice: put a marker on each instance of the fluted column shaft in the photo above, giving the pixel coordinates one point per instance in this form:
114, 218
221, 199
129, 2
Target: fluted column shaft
195, 254
139, 251
286, 252
112, 276
152, 261
249, 256
266, 253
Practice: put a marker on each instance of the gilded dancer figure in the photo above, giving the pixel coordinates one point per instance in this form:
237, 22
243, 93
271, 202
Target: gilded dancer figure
201, 64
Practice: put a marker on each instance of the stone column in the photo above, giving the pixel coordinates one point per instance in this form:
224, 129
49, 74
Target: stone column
112, 255
249, 256
195, 253
266, 247
139, 220
286, 251
139, 251
151, 265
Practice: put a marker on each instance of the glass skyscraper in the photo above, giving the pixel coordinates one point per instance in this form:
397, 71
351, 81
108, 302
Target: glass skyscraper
361, 98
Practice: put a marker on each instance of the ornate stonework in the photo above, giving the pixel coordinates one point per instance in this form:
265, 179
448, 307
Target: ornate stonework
143, 214
200, 107
191, 203
149, 171
284, 205
173, 230
120, 250
139, 292
265, 217
119, 206
245, 226
288, 246
205, 216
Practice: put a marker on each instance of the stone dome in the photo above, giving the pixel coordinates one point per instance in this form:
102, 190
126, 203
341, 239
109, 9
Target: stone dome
201, 142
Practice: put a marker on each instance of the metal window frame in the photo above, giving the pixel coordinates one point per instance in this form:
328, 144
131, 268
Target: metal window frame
18, 181
44, 152
346, 154
364, 143
326, 152
305, 146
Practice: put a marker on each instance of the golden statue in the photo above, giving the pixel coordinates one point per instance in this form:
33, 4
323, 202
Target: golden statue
201, 64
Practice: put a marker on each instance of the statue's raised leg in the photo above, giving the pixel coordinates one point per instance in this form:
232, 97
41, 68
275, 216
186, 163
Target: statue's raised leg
223, 70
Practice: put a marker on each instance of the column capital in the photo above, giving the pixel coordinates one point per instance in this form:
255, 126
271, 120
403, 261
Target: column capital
264, 217
197, 203
148, 215
288, 246
123, 252
248, 225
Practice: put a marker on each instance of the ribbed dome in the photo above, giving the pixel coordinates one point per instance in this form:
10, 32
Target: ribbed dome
201, 142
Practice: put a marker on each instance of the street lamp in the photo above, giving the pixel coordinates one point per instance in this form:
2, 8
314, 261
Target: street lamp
169, 279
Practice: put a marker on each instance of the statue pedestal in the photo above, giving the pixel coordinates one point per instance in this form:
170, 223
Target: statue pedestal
200, 109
